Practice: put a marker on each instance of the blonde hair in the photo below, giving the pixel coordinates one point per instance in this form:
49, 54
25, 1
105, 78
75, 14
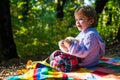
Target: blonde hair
87, 11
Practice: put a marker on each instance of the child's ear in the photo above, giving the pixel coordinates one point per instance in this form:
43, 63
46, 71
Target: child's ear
92, 21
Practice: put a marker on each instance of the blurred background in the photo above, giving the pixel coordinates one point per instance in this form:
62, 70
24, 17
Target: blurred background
38, 25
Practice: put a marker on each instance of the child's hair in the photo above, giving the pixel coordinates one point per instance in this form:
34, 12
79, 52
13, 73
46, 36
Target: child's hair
87, 11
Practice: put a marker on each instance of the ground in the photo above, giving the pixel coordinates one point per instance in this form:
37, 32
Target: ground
113, 50
10, 67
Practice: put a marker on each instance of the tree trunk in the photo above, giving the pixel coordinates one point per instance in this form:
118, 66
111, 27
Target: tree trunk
25, 10
99, 6
60, 6
7, 45
118, 35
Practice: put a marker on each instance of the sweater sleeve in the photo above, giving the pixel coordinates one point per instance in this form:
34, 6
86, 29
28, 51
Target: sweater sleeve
88, 45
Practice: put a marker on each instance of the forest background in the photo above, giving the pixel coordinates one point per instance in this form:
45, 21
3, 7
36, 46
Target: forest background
38, 25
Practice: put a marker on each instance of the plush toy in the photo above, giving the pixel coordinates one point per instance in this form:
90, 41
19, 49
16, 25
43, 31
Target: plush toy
65, 44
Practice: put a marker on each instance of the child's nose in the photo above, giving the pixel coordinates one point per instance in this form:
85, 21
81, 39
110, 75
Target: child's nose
77, 22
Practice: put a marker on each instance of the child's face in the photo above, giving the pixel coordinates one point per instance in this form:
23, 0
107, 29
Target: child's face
83, 22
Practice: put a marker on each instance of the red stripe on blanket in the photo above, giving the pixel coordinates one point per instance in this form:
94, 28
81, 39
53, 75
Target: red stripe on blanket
100, 73
103, 71
105, 59
34, 75
65, 76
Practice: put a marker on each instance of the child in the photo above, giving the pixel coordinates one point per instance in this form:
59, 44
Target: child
85, 52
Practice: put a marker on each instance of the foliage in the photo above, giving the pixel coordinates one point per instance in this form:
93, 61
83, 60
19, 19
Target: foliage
38, 31
108, 23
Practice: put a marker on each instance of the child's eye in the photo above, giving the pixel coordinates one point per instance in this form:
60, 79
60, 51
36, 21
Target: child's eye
80, 19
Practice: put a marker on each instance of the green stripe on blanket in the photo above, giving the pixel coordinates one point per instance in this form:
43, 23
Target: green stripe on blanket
108, 68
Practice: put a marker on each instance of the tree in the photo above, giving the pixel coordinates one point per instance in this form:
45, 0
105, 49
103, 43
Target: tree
99, 6
7, 45
118, 35
25, 10
60, 7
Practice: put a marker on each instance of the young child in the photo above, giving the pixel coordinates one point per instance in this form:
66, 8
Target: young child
85, 52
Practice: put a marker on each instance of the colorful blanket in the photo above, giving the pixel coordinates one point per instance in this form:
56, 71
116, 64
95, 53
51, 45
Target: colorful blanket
107, 69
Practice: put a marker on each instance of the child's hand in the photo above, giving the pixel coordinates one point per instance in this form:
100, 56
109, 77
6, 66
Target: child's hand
66, 43
62, 46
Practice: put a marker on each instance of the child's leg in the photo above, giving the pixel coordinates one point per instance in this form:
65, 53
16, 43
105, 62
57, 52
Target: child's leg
65, 62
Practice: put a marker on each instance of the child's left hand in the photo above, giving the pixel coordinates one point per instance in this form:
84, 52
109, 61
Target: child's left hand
67, 44
62, 46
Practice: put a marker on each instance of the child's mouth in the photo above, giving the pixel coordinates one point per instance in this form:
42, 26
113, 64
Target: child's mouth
79, 26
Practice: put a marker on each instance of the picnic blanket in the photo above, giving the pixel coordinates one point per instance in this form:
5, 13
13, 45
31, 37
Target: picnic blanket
107, 69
